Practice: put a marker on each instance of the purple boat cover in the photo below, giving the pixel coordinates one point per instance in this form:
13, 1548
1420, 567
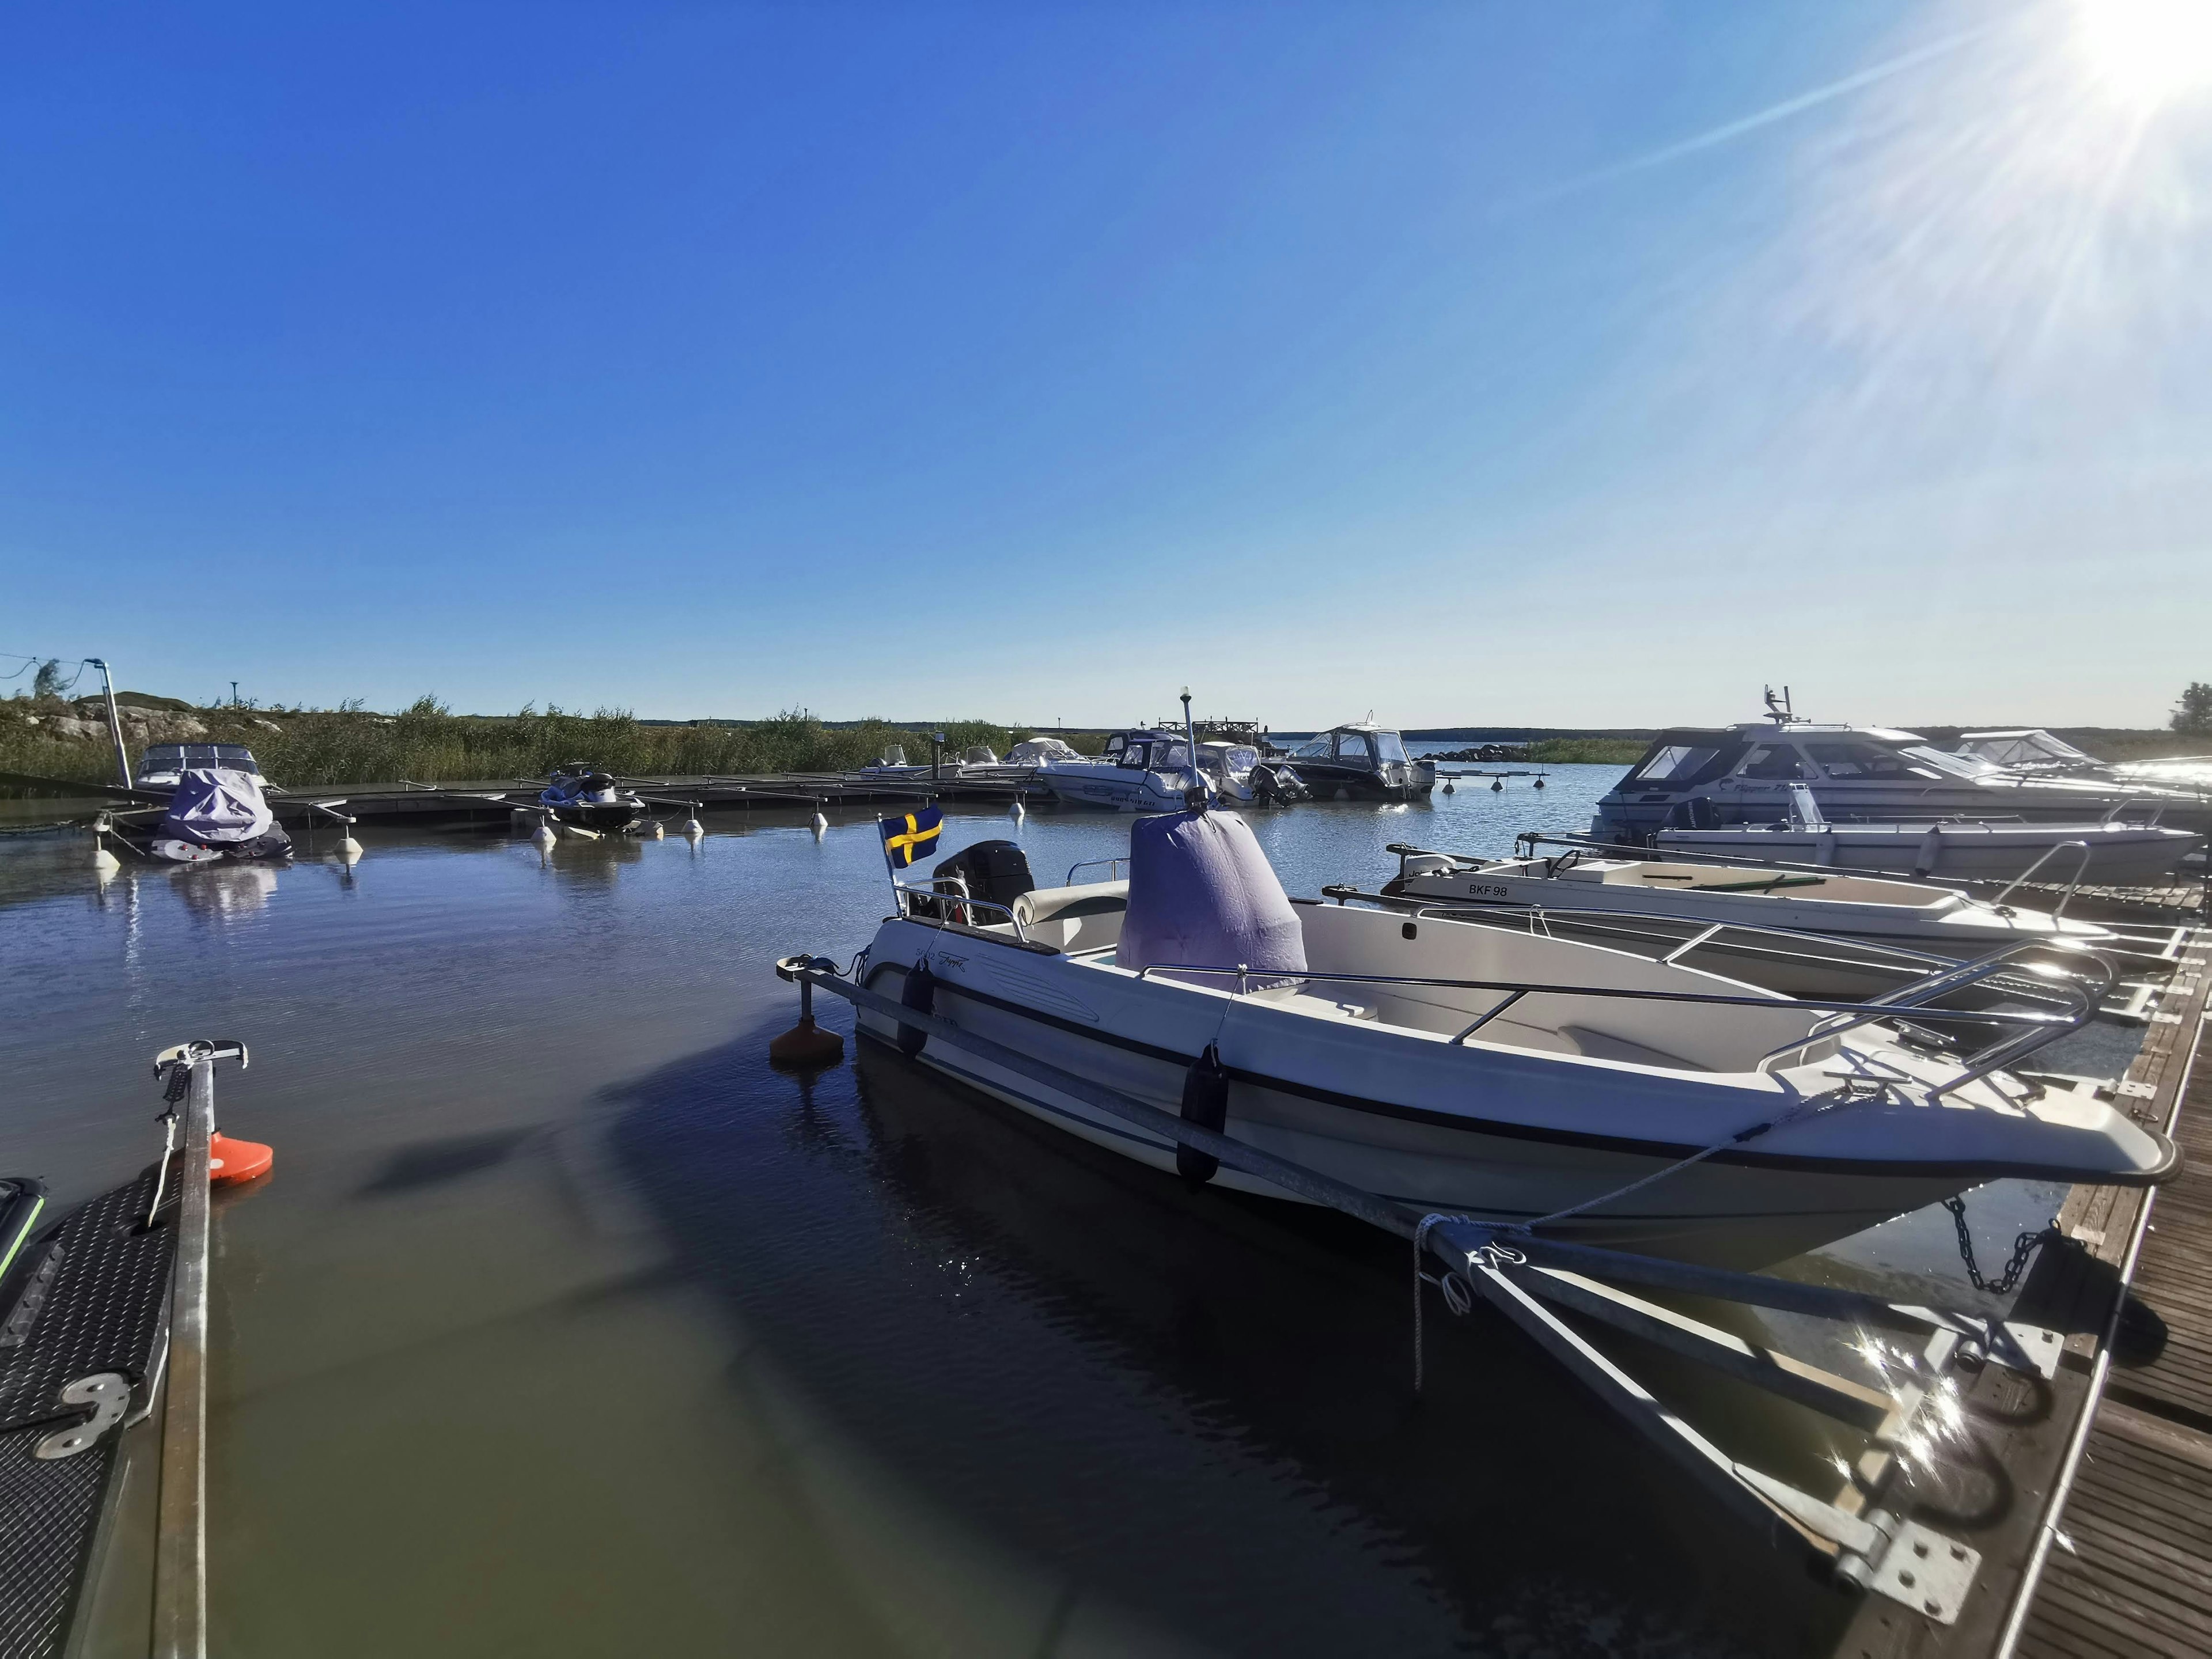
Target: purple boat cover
212, 807
1201, 892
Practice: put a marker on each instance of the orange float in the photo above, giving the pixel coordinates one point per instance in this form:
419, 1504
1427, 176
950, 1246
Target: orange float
231, 1161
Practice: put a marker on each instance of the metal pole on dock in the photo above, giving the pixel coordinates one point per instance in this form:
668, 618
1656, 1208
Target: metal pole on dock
114, 721
180, 1523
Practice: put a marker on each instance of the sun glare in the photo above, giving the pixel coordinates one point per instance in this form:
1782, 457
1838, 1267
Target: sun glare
2149, 50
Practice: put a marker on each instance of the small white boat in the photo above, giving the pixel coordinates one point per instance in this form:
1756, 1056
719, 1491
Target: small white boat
1485, 1072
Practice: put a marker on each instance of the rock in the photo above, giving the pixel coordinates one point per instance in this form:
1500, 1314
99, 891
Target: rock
71, 728
268, 725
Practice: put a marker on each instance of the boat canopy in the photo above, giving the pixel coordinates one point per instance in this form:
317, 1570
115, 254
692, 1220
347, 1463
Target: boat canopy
216, 807
1354, 745
2030, 747
1201, 893
1036, 751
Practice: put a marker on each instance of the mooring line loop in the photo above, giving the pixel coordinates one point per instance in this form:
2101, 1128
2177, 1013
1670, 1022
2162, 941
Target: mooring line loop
1458, 1305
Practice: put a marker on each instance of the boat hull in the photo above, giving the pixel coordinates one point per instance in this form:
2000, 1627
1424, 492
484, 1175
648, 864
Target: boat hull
1713, 1213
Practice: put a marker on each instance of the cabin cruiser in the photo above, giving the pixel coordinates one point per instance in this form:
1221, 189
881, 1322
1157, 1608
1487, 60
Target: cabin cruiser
1144, 769
1362, 761
164, 764
580, 794
214, 817
1702, 778
1456, 1067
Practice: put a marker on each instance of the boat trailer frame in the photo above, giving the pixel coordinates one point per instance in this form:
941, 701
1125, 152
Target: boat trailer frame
1527, 1278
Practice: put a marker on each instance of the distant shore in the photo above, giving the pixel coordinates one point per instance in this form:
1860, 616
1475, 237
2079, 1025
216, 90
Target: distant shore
427, 743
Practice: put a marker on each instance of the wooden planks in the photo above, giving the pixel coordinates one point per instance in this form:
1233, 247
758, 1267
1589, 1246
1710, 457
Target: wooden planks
2132, 1573
2140, 1516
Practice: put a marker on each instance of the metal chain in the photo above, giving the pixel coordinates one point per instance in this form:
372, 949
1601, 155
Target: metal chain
2023, 1249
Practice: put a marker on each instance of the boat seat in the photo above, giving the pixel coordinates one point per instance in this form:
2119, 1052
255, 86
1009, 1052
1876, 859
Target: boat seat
1086, 918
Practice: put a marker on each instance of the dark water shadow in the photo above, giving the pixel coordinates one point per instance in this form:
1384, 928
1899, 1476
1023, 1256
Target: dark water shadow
1196, 1404
433, 1162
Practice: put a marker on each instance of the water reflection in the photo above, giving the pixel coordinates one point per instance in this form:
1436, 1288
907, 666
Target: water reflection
1187, 1414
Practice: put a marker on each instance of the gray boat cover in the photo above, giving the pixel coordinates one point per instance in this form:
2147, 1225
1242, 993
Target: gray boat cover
1201, 892
216, 807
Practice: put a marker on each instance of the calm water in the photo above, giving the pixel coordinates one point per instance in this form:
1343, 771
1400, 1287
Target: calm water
566, 1326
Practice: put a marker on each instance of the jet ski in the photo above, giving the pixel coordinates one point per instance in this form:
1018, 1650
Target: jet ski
580, 794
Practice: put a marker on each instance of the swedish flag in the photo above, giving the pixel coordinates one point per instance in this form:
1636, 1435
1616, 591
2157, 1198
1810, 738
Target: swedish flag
911, 836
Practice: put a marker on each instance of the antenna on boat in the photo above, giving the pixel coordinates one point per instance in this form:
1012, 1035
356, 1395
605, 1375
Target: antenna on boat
1195, 800
1777, 709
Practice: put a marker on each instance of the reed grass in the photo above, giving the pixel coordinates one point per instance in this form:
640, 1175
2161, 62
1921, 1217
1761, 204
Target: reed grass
425, 744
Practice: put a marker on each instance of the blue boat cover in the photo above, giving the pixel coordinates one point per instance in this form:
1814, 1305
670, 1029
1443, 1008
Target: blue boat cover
1201, 892
214, 807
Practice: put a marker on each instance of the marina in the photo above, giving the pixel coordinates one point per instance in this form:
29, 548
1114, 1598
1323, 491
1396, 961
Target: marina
487, 1151
1071, 832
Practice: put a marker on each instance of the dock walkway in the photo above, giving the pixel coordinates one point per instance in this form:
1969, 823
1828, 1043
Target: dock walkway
2131, 1572
2120, 1560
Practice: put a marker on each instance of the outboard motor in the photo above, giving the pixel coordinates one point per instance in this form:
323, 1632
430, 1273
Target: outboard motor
996, 871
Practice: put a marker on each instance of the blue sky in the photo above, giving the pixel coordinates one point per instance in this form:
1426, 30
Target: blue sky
1471, 363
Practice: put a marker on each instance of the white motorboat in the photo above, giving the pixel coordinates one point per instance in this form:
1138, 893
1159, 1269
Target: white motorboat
1911, 915
1696, 779
1804, 933
1143, 769
1965, 849
1499, 1074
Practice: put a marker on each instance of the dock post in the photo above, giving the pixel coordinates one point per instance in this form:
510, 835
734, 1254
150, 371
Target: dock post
180, 1536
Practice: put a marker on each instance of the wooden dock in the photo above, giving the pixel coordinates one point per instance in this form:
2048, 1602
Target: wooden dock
2095, 1520
2129, 1568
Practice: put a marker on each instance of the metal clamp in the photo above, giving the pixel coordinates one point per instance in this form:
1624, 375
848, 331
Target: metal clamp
108, 1394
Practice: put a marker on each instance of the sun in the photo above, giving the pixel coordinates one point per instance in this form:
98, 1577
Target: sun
2145, 52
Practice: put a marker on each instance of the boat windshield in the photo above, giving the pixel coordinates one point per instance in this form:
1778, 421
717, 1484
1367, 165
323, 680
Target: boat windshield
222, 757
1393, 747
1674, 761
1156, 755
1234, 759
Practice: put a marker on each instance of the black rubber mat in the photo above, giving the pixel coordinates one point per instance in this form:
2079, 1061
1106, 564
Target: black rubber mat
85, 1295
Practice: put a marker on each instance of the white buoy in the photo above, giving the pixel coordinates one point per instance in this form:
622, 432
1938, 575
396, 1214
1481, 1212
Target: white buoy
820, 823
104, 863
348, 851
1448, 787
693, 828
1015, 812
544, 835
658, 832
